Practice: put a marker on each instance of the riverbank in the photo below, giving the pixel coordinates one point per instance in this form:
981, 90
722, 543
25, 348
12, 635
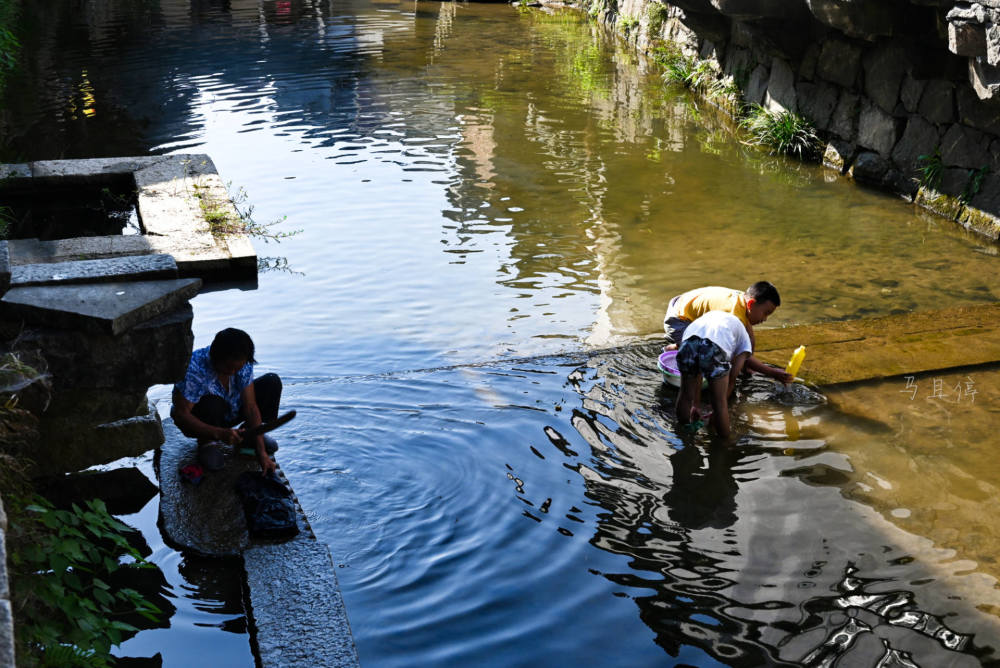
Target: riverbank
905, 99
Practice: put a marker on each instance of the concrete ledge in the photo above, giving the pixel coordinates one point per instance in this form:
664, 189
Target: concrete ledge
171, 191
128, 268
106, 307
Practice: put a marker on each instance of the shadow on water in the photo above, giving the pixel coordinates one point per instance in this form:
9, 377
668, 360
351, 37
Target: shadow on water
700, 532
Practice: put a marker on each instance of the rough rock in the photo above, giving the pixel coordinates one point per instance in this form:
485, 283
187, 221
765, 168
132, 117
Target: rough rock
937, 104
910, 92
757, 85
83, 447
839, 62
124, 490
985, 79
966, 32
884, 68
988, 198
817, 101
919, 138
980, 114
966, 147
752, 9
843, 123
105, 307
780, 95
839, 155
864, 19
876, 128
871, 169
807, 66
154, 352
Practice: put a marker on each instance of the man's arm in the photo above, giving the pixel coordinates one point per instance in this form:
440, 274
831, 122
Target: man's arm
251, 416
755, 365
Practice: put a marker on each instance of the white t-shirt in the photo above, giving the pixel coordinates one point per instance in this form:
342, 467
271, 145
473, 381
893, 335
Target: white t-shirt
724, 330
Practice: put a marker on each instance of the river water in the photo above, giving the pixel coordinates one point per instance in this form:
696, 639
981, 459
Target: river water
495, 205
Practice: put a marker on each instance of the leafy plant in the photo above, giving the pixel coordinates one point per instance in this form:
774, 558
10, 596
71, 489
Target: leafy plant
628, 22
225, 220
931, 169
657, 13
67, 612
781, 131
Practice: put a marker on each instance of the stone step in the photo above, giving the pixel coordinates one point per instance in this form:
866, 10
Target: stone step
298, 612
102, 307
894, 345
127, 268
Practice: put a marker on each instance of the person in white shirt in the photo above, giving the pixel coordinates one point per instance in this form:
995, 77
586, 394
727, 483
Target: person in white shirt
715, 347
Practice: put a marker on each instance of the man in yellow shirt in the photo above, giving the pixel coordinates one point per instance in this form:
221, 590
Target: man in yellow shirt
751, 307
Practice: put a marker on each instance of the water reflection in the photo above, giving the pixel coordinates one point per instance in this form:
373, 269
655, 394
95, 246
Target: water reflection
476, 183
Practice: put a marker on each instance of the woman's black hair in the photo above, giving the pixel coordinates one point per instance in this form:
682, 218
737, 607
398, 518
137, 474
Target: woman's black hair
232, 344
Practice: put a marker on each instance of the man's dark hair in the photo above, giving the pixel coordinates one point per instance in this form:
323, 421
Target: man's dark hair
762, 291
232, 344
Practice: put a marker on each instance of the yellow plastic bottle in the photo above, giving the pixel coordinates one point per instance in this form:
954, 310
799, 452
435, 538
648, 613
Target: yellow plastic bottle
796, 361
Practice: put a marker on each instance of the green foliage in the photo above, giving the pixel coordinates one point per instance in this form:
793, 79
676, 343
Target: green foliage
627, 22
782, 132
237, 220
657, 13
67, 613
698, 75
931, 169
10, 45
974, 184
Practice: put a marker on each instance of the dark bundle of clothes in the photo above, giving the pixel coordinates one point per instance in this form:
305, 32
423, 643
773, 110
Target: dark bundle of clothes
267, 505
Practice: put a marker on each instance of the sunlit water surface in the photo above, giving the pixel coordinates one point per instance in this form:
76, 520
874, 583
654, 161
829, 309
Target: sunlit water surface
495, 206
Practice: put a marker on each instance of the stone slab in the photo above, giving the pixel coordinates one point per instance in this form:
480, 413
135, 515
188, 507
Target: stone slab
170, 192
106, 307
90, 168
890, 346
205, 519
123, 268
33, 251
298, 611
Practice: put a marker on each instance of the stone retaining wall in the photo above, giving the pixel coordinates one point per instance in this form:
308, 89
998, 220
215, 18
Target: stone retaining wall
883, 81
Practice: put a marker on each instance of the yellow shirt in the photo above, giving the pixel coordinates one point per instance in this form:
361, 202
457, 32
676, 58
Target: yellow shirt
699, 301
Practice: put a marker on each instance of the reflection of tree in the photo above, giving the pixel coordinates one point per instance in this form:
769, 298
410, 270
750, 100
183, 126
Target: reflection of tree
134, 107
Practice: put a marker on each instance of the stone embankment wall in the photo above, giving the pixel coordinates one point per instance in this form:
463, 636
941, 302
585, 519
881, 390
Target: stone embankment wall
904, 93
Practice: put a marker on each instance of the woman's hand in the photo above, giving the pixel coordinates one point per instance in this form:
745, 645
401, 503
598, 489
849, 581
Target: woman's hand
229, 436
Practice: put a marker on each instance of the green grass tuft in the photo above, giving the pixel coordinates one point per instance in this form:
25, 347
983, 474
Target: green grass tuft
782, 132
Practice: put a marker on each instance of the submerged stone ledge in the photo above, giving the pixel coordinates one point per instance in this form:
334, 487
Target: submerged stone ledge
891, 346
